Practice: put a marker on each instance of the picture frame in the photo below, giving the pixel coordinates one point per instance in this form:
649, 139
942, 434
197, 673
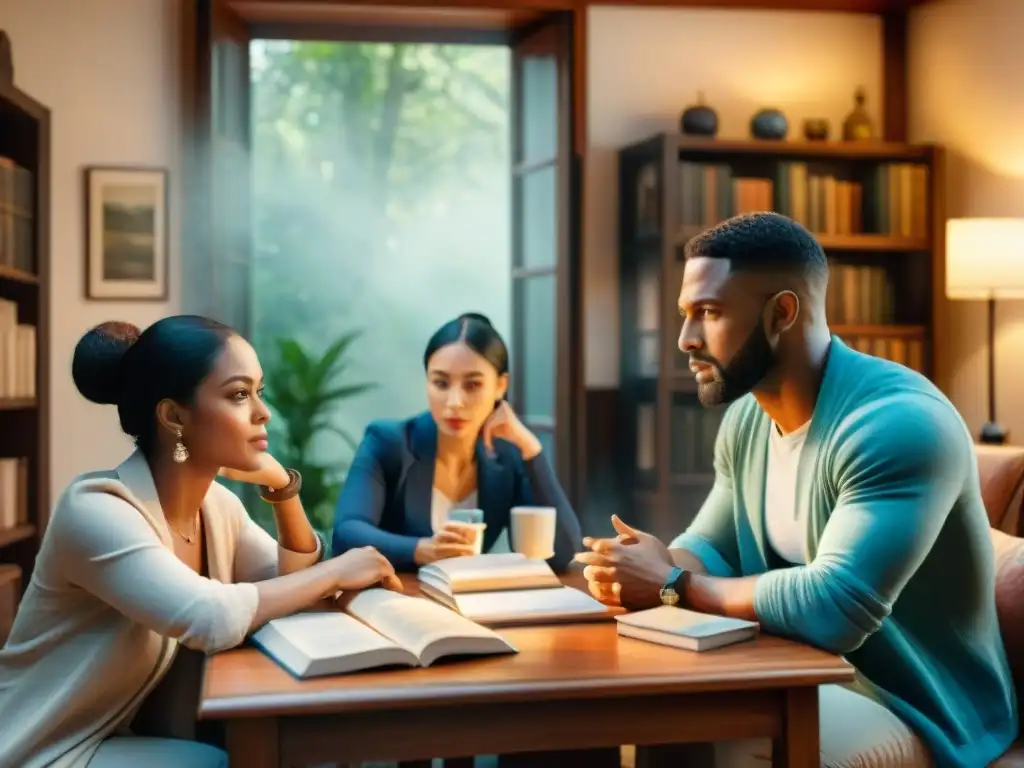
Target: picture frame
126, 233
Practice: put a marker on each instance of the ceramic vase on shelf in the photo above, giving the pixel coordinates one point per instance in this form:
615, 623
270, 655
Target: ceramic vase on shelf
699, 119
769, 123
816, 129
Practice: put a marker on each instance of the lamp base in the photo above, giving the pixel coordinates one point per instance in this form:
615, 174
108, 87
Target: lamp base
992, 434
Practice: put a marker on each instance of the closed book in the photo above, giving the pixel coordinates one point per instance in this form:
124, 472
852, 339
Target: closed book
506, 589
682, 628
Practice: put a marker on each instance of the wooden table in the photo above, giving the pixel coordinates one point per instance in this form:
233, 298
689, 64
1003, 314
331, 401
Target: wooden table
570, 686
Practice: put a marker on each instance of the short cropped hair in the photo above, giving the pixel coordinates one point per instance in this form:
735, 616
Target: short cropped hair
761, 242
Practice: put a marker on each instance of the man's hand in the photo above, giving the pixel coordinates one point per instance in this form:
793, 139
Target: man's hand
629, 570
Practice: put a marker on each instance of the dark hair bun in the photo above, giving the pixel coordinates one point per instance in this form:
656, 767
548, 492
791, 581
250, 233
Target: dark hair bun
476, 316
98, 353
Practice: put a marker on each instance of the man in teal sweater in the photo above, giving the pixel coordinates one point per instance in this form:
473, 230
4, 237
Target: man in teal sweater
846, 511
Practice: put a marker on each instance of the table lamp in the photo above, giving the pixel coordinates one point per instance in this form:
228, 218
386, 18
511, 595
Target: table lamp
985, 260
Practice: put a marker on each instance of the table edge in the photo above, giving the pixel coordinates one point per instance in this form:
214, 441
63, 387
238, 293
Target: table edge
340, 701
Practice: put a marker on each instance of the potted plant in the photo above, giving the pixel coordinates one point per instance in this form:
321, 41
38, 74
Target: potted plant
303, 389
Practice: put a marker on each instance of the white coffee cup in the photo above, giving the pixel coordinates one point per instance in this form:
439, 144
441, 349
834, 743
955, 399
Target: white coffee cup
532, 531
470, 520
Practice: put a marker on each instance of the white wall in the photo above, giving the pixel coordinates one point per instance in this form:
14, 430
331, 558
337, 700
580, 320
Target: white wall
108, 70
646, 66
967, 93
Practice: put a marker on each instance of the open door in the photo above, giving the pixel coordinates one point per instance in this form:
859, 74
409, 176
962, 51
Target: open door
542, 253
217, 252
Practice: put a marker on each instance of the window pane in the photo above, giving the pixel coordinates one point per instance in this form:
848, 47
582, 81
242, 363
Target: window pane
234, 292
537, 202
375, 222
540, 327
540, 108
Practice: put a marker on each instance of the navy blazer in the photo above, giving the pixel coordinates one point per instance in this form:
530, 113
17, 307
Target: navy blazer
386, 499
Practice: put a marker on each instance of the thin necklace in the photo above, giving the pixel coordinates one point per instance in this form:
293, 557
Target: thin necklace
195, 529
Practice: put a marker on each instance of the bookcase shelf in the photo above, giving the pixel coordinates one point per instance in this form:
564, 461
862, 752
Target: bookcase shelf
876, 210
18, 275
24, 334
832, 150
17, 403
16, 534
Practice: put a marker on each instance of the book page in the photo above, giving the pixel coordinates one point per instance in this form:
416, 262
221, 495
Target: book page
488, 572
323, 643
328, 635
411, 622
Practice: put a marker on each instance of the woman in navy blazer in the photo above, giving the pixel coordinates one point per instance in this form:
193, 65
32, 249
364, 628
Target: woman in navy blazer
469, 450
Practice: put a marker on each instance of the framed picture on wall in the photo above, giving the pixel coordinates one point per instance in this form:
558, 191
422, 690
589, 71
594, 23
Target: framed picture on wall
126, 234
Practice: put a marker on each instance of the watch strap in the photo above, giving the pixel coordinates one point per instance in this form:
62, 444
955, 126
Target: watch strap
673, 578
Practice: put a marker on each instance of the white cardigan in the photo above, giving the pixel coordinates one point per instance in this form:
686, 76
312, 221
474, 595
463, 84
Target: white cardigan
108, 604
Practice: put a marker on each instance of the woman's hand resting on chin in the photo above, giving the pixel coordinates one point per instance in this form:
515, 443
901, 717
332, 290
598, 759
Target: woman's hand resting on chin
504, 423
270, 473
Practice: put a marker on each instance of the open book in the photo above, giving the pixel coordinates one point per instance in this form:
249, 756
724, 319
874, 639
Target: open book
680, 628
503, 589
378, 628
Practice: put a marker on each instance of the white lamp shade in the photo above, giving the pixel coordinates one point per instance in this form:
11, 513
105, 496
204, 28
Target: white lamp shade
985, 259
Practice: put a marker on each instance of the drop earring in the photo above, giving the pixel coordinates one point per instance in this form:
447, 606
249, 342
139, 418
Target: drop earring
180, 451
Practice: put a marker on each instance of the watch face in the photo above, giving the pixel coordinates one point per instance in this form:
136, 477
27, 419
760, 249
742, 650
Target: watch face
669, 596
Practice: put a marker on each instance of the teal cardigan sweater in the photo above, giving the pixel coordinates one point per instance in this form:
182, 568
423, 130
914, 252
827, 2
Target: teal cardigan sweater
901, 575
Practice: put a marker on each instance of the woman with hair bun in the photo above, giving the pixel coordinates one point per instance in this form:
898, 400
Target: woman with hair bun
143, 561
468, 450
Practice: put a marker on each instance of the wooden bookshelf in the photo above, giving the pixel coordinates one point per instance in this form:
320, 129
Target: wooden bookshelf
24, 337
873, 207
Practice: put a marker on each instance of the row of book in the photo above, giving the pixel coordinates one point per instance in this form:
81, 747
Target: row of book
859, 295
13, 493
896, 202
16, 217
899, 349
17, 354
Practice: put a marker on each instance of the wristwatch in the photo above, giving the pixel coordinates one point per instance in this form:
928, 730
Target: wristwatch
669, 593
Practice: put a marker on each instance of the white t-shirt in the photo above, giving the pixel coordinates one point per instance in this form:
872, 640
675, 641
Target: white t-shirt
441, 506
785, 528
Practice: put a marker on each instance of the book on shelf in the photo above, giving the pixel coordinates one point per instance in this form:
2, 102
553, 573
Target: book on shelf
694, 430
859, 294
682, 628
889, 199
13, 493
16, 216
504, 589
17, 354
905, 351
378, 628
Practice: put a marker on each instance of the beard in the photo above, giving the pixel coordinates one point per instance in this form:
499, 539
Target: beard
748, 367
